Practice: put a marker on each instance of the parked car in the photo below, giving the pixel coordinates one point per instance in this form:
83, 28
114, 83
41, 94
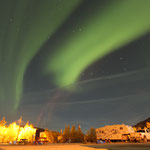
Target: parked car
142, 135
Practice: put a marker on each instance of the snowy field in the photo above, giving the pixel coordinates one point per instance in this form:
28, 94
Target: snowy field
48, 147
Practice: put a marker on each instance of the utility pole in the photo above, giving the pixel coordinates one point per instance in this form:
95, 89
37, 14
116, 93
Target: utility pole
20, 120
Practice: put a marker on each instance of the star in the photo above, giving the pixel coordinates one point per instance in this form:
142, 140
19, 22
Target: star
10, 19
91, 73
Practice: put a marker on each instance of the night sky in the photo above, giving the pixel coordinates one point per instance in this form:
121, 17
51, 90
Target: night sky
75, 62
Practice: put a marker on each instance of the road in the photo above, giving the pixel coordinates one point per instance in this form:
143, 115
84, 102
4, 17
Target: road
126, 146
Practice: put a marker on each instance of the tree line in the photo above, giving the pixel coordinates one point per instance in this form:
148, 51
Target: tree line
71, 135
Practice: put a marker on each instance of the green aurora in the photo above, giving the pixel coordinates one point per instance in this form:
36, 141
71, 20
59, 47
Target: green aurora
27, 24
25, 27
118, 24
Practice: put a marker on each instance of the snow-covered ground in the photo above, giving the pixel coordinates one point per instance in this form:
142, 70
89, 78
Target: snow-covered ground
48, 147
